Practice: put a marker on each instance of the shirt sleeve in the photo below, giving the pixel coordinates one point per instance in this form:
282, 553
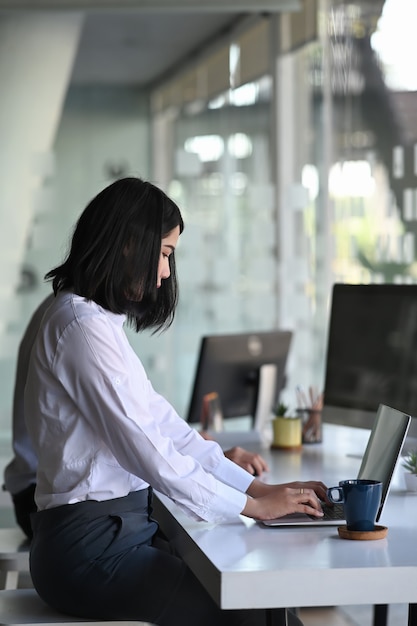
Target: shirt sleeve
112, 393
209, 454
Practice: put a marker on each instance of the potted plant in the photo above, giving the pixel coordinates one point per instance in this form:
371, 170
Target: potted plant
287, 429
410, 465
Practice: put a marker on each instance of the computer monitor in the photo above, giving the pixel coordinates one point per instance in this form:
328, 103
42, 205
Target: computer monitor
371, 353
246, 370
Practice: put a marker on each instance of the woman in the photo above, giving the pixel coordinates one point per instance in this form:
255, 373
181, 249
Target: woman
104, 437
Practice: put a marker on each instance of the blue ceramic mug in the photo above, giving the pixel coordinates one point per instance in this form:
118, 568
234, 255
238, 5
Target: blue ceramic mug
361, 500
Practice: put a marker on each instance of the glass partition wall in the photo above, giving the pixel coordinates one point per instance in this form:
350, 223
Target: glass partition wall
221, 177
298, 173
235, 161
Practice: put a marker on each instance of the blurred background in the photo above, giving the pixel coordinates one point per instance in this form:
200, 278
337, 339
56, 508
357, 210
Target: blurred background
285, 130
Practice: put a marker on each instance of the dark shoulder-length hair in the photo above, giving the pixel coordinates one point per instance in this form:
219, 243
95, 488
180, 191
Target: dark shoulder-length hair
115, 252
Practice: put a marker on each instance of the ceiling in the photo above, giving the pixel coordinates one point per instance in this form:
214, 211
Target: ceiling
142, 47
142, 41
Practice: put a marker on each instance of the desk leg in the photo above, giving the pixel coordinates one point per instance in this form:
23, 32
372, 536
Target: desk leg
276, 617
380, 615
412, 614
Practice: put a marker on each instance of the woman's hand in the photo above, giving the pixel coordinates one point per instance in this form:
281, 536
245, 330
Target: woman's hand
250, 461
253, 463
271, 501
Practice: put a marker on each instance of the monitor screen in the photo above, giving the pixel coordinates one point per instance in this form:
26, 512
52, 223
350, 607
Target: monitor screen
231, 365
371, 352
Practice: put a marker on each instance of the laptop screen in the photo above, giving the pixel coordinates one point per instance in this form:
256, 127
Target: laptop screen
384, 448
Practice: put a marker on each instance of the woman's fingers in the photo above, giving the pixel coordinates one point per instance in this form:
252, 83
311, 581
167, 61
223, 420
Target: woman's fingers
306, 496
318, 487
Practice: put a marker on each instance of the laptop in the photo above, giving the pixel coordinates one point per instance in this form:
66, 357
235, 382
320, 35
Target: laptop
378, 463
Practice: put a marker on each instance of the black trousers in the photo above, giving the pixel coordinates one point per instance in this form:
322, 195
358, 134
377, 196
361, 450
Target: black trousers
99, 560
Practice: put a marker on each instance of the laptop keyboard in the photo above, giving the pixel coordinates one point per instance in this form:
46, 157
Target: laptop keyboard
334, 512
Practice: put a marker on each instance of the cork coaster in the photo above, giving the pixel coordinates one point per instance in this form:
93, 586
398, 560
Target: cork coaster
379, 532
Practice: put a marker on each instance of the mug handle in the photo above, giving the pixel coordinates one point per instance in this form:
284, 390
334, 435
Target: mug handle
335, 495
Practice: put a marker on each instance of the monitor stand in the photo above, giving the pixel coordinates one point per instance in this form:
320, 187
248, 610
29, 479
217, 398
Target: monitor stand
265, 397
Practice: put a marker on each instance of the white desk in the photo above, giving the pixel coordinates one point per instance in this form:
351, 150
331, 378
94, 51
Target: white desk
246, 565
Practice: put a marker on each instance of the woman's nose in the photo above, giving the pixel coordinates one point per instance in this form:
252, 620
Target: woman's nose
166, 272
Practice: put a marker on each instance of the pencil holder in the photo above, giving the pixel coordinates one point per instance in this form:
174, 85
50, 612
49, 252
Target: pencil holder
311, 425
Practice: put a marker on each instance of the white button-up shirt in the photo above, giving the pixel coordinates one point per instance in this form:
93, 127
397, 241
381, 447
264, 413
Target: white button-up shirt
101, 431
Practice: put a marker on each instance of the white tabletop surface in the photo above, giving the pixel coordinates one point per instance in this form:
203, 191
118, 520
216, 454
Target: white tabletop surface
246, 565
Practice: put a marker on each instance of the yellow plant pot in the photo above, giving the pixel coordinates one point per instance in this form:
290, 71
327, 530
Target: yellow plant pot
287, 433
